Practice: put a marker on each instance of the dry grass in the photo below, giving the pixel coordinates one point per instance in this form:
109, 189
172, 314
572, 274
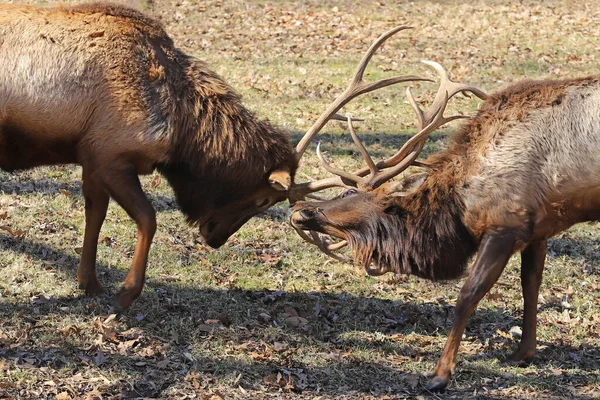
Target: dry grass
267, 316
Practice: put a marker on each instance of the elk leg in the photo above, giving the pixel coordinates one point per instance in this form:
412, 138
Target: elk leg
532, 267
96, 204
124, 187
493, 254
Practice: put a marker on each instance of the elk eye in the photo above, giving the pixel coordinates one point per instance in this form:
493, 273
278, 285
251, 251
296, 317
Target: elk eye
262, 203
348, 193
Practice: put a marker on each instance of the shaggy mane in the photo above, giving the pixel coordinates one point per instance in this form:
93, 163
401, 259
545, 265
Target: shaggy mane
133, 16
215, 142
431, 243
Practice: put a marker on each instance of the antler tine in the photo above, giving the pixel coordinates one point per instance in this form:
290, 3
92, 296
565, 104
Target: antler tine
428, 121
412, 148
340, 172
356, 87
329, 249
321, 243
361, 148
302, 190
362, 66
446, 87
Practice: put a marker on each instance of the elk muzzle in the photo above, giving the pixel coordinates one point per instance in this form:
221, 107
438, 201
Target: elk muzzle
216, 233
307, 217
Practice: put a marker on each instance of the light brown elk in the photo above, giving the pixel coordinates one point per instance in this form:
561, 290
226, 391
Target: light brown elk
104, 86
523, 169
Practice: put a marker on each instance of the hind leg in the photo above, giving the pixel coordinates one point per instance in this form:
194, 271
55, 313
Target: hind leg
532, 267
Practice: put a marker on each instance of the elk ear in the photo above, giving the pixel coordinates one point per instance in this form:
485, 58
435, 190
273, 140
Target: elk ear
280, 180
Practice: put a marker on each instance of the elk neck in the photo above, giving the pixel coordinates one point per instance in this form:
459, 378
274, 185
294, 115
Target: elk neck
216, 143
422, 233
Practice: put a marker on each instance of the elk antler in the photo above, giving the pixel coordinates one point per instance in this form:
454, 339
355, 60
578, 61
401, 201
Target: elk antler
428, 121
375, 174
356, 87
324, 244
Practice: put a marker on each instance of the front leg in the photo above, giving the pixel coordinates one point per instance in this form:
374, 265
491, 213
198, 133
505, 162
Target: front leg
494, 252
532, 268
96, 204
123, 185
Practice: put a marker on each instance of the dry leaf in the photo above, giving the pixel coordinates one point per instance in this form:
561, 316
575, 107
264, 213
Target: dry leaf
99, 358
156, 181
291, 311
224, 319
277, 346
296, 322
18, 233
264, 318
495, 296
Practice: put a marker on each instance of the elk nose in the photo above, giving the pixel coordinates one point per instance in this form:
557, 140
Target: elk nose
307, 213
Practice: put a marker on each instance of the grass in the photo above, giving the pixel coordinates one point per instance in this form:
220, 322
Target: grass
268, 316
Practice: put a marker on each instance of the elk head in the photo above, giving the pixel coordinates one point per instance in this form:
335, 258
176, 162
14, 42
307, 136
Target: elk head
367, 197
227, 219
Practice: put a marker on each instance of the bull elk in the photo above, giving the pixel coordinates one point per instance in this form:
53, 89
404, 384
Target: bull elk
103, 86
523, 169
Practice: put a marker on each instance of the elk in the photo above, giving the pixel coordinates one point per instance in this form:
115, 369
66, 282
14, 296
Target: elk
103, 86
521, 170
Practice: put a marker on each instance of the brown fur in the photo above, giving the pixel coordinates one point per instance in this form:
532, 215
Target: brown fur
523, 169
103, 86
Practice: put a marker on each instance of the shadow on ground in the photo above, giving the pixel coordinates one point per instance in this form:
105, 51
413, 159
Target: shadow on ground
338, 325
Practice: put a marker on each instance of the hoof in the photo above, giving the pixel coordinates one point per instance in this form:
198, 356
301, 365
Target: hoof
124, 298
92, 288
436, 384
520, 358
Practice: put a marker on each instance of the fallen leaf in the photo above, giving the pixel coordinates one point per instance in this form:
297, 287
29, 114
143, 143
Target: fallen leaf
264, 318
278, 346
18, 233
156, 181
209, 328
99, 358
224, 319
495, 296
296, 322
291, 311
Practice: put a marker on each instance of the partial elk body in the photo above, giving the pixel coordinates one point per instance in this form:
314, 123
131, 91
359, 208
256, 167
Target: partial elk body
103, 86
523, 169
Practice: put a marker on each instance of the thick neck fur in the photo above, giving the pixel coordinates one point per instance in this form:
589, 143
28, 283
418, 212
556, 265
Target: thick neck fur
218, 146
421, 234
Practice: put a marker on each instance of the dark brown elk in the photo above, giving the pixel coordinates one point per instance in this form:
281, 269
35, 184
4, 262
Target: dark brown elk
523, 169
103, 86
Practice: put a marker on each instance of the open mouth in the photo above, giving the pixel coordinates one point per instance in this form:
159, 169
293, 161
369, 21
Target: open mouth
305, 219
